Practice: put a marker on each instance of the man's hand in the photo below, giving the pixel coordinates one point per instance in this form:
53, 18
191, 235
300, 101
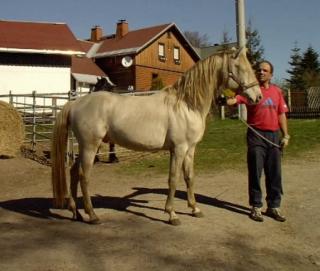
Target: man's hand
285, 141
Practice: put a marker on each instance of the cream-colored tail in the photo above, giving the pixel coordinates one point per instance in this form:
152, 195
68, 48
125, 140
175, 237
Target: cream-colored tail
58, 151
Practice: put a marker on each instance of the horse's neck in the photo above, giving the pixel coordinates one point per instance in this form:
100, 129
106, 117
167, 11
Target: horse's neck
213, 73
197, 87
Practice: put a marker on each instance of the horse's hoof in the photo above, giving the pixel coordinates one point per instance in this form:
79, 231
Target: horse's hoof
198, 214
175, 222
95, 221
78, 218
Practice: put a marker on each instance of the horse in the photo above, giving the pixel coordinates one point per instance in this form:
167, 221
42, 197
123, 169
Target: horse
173, 119
104, 84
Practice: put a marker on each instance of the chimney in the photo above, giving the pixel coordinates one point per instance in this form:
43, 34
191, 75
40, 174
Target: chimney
122, 28
96, 33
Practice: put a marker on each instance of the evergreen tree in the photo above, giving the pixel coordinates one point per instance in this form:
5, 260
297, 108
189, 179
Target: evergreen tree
310, 68
295, 81
255, 49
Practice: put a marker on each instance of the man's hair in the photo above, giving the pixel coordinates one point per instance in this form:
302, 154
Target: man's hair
269, 63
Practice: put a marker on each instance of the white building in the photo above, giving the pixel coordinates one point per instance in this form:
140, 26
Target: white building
43, 57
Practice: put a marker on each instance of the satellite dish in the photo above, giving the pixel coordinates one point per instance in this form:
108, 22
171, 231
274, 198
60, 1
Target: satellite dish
126, 61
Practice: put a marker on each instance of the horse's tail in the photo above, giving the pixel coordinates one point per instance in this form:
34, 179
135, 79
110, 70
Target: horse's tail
58, 150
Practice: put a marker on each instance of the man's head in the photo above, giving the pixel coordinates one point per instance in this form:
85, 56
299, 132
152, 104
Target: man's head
264, 72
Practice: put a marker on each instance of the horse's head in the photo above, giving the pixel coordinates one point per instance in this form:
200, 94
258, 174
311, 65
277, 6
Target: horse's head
103, 84
241, 76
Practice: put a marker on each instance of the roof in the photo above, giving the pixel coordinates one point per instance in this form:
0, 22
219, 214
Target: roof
86, 45
85, 65
38, 37
207, 51
135, 41
84, 69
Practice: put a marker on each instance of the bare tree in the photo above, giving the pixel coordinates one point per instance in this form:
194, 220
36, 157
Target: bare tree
197, 39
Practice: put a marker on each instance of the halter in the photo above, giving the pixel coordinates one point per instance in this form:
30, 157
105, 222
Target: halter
237, 80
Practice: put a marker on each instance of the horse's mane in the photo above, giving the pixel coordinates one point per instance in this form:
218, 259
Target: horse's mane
197, 84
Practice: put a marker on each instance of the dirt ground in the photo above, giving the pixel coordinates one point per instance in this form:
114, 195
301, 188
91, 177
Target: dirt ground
134, 233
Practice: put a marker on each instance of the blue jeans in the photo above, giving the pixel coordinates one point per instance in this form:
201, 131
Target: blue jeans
261, 156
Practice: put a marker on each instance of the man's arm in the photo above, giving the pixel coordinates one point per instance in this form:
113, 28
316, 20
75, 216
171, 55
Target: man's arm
284, 128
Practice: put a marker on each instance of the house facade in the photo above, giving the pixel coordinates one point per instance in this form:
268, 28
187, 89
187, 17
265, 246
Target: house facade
136, 59
44, 57
47, 58
36, 57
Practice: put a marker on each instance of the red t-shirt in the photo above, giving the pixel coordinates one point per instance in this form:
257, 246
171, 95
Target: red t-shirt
264, 115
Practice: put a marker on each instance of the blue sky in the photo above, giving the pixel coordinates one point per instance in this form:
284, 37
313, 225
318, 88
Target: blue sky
279, 22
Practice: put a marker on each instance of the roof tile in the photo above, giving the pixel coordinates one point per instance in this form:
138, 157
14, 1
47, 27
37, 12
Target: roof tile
37, 36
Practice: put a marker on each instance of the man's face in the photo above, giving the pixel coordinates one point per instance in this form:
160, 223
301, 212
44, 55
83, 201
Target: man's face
264, 73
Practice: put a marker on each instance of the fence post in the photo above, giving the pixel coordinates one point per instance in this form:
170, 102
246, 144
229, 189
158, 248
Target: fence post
34, 121
289, 99
10, 97
54, 107
222, 112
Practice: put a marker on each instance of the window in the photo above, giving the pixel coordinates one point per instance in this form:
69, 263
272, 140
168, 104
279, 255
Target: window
176, 55
161, 52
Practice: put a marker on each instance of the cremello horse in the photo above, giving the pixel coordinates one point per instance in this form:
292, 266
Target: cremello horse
173, 119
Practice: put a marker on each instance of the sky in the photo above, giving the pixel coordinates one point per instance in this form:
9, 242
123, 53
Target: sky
280, 23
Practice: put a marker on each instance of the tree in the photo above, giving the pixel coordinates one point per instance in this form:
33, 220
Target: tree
255, 49
295, 82
225, 37
196, 39
310, 67
157, 83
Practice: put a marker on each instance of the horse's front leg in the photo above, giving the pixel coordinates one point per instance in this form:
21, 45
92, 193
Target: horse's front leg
86, 163
176, 159
188, 172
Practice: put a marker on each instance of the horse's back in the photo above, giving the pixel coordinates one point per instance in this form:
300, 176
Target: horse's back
137, 122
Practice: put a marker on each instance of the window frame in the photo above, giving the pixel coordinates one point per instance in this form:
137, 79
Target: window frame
162, 51
177, 55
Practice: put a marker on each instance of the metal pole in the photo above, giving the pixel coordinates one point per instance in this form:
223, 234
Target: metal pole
241, 36
34, 120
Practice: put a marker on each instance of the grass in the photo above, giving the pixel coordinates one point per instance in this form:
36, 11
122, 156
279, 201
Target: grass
224, 146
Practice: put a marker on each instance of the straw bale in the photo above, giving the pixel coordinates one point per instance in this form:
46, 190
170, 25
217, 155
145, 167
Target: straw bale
11, 131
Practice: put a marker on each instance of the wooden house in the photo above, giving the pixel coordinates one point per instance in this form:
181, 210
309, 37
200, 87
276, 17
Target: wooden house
84, 71
136, 59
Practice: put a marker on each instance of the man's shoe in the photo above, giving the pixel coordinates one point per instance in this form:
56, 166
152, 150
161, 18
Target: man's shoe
256, 214
275, 213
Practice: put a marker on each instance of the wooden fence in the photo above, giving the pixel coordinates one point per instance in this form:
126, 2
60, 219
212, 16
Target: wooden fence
304, 104
39, 112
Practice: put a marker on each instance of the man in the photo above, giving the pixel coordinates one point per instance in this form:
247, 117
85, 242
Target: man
266, 119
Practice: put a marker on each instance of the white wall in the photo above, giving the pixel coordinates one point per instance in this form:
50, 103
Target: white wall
25, 79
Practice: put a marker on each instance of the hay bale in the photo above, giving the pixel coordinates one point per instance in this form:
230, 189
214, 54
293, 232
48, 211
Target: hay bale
11, 131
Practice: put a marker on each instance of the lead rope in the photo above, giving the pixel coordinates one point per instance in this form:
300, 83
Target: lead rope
260, 135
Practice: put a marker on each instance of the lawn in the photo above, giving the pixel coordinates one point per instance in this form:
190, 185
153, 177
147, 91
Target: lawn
224, 146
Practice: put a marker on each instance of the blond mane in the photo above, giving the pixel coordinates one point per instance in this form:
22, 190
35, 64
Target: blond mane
197, 86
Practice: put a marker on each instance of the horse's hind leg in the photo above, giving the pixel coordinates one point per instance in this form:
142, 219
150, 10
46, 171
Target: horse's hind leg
176, 158
86, 162
188, 171
74, 180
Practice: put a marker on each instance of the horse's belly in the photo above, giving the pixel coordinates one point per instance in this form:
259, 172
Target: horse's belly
139, 138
